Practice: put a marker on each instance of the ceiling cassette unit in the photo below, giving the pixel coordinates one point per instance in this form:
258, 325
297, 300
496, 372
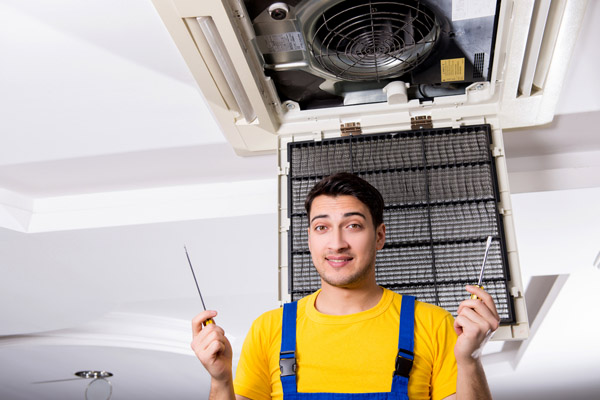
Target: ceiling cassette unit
412, 95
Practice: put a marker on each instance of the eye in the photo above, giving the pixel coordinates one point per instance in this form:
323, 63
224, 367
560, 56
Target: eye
354, 226
320, 228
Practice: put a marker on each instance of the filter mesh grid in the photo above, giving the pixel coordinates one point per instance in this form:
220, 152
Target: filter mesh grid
439, 189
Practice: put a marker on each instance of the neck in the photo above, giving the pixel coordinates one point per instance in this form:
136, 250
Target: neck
334, 300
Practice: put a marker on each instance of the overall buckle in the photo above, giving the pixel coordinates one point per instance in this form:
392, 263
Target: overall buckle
404, 362
287, 365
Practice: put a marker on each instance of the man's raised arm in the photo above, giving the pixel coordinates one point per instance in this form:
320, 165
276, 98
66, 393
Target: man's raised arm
214, 351
476, 320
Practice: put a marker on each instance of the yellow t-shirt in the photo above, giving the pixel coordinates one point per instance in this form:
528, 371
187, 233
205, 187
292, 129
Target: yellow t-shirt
353, 353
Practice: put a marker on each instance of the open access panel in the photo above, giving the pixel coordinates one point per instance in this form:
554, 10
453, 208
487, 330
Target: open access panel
442, 190
275, 73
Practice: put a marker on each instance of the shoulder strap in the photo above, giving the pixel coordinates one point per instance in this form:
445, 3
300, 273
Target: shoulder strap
287, 356
405, 357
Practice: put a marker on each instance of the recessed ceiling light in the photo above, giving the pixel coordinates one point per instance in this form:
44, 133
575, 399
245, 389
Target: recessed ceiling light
98, 389
93, 374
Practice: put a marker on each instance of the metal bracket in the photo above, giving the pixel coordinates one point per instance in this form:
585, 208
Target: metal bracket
285, 170
421, 122
285, 226
350, 128
497, 151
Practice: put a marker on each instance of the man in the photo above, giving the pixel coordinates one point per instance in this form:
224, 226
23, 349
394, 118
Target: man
351, 336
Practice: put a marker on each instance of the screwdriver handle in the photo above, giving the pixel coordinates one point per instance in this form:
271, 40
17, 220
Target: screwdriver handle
209, 321
474, 296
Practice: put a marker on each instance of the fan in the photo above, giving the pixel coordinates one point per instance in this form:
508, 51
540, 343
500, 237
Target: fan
363, 41
343, 52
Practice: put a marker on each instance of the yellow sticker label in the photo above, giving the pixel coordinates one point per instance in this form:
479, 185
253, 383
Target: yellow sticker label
453, 69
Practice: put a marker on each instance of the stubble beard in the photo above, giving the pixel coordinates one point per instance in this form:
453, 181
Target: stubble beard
351, 281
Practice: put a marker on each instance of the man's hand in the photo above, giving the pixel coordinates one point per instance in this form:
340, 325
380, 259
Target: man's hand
212, 348
476, 320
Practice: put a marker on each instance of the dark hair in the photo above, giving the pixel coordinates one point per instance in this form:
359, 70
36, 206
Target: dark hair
346, 184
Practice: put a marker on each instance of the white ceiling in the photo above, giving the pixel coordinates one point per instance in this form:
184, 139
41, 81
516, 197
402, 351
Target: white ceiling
110, 161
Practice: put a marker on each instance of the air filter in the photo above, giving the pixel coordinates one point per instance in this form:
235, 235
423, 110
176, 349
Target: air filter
440, 192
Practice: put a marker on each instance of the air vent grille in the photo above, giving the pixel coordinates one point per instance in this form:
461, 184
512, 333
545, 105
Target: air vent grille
440, 193
478, 63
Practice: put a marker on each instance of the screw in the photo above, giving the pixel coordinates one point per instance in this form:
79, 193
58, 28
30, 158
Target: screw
278, 14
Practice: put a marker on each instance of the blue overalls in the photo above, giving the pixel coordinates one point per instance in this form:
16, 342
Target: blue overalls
404, 359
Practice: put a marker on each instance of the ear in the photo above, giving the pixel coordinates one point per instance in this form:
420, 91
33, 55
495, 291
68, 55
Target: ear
380, 236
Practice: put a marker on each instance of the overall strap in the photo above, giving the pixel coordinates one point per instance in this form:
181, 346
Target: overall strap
287, 356
406, 344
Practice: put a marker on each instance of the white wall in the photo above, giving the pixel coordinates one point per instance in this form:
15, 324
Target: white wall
121, 299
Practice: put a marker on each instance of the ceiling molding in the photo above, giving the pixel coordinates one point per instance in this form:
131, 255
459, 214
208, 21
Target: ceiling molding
132, 207
15, 210
117, 329
558, 171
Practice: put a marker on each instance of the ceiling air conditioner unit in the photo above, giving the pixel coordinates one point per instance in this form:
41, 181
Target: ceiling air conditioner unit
399, 91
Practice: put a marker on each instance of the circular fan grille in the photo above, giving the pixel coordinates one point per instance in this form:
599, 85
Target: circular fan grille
358, 40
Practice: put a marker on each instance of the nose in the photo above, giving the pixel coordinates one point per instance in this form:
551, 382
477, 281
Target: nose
338, 241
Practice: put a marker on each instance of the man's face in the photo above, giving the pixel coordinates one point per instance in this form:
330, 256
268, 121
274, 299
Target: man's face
343, 240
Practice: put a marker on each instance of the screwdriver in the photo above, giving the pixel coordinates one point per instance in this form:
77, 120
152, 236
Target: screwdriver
210, 320
487, 249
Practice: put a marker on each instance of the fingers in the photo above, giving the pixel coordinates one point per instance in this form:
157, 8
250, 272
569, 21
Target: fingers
473, 324
209, 342
475, 320
476, 311
480, 313
215, 346
212, 348
200, 319
210, 334
484, 296
458, 327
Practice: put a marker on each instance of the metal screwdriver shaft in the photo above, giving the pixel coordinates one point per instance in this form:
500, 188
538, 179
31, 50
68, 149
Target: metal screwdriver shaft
485, 255
210, 320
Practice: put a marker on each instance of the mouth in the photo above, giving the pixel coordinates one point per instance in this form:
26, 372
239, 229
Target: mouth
338, 261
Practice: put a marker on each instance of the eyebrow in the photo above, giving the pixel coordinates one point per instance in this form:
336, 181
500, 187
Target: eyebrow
346, 215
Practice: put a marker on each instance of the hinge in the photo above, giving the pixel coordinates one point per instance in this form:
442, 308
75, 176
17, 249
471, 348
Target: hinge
350, 128
237, 9
515, 292
497, 151
421, 122
285, 170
